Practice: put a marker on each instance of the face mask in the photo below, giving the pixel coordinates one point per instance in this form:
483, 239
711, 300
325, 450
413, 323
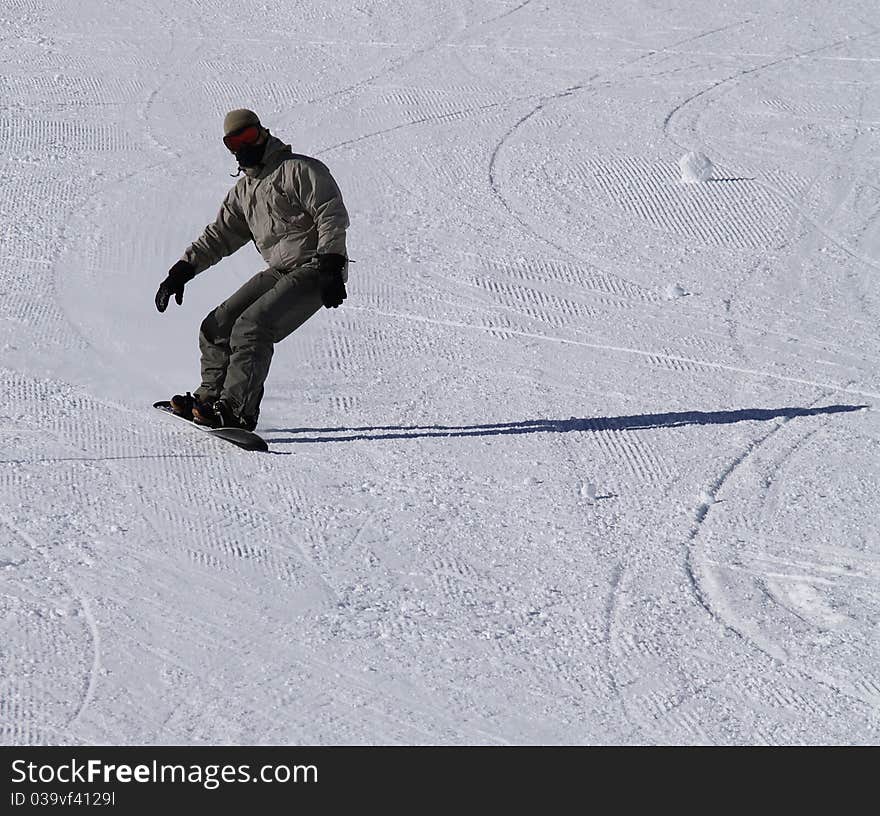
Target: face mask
250, 155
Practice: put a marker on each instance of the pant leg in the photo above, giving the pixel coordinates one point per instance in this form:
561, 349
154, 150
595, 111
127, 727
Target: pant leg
216, 329
271, 318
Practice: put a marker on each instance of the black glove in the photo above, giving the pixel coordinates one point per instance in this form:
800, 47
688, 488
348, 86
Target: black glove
330, 267
178, 276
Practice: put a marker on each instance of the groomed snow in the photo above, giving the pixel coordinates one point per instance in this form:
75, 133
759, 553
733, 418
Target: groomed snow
588, 456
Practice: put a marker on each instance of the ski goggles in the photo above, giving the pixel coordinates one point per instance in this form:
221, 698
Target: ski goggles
246, 136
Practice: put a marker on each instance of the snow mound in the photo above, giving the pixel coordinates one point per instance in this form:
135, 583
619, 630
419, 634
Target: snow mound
695, 167
589, 491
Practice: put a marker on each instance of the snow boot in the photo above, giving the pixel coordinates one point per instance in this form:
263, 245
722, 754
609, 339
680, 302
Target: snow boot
229, 420
182, 405
189, 407
203, 413
221, 416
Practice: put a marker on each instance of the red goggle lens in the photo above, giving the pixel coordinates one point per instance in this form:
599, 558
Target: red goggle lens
242, 138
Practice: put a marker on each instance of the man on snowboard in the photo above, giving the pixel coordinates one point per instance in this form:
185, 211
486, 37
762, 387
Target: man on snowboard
291, 208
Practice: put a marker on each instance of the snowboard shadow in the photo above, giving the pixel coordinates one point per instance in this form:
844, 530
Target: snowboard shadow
636, 422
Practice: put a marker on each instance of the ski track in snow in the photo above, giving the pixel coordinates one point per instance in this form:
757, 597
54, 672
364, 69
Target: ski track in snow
586, 457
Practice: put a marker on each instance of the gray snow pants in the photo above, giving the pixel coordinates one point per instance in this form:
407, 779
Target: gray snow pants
237, 338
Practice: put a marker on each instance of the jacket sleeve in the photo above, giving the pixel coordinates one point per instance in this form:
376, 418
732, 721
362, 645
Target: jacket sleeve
320, 196
228, 233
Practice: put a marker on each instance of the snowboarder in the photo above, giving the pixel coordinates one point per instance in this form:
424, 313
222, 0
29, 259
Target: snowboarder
290, 206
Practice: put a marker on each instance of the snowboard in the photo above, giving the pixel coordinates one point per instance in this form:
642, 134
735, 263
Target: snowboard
237, 436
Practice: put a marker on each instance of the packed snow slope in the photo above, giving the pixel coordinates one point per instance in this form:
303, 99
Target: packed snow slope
589, 455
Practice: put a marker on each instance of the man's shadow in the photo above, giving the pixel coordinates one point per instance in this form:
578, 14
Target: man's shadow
636, 422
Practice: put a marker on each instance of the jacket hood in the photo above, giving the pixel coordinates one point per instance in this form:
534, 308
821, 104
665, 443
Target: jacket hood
276, 152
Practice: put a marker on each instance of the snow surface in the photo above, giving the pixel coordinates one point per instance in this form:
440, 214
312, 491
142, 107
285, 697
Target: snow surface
520, 488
